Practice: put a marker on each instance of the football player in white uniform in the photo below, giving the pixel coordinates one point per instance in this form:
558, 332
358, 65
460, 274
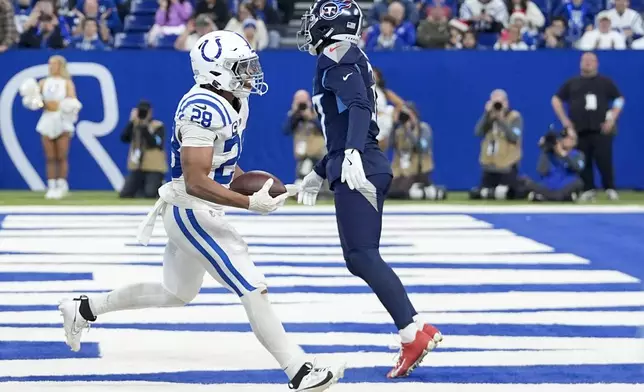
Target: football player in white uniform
206, 143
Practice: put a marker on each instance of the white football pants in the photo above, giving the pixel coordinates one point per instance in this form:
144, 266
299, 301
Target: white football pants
203, 241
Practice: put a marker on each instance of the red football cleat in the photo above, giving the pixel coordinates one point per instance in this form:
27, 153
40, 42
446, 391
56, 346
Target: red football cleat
433, 333
412, 354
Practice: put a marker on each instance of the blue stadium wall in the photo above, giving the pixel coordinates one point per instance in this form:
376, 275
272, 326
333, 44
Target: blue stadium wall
449, 88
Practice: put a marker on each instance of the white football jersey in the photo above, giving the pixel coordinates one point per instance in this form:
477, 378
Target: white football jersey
205, 119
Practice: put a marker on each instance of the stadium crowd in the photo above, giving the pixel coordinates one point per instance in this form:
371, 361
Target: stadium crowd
393, 25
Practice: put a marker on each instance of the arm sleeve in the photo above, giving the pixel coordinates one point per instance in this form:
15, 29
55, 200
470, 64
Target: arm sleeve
512, 129
126, 135
482, 125
320, 167
347, 84
193, 135
154, 139
612, 90
543, 164
564, 92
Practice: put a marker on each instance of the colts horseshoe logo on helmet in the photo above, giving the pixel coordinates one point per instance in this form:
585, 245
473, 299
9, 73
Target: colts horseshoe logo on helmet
330, 10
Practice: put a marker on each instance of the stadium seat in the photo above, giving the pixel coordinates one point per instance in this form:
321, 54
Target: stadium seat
144, 7
166, 42
140, 23
129, 41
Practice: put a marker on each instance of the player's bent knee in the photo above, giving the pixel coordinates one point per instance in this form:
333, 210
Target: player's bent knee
181, 297
359, 259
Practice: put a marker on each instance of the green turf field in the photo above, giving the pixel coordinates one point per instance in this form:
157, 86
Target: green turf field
111, 198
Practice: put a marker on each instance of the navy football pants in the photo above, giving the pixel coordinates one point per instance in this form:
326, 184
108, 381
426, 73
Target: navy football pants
360, 226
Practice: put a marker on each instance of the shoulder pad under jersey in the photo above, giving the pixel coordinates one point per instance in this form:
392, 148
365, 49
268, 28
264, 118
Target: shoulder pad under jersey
339, 53
205, 110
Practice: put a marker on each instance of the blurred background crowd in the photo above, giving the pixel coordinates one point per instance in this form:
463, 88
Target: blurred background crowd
392, 25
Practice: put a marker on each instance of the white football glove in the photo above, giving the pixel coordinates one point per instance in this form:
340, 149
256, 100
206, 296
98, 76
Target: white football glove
263, 203
309, 189
352, 170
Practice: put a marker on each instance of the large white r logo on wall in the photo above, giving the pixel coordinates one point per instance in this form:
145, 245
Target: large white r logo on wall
87, 131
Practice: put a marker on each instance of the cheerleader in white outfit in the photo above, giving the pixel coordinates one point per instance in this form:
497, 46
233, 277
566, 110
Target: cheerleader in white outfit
56, 126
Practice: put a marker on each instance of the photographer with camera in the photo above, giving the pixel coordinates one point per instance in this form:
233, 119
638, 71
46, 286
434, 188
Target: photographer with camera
413, 161
303, 125
501, 128
147, 158
559, 166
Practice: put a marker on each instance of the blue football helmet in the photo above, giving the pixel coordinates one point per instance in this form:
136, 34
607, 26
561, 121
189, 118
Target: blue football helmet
328, 21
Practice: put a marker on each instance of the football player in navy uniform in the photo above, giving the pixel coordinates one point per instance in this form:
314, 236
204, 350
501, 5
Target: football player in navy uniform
359, 174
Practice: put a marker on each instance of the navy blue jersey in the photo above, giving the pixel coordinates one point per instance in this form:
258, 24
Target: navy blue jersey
344, 96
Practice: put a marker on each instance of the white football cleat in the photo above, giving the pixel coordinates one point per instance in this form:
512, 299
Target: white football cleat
313, 379
73, 322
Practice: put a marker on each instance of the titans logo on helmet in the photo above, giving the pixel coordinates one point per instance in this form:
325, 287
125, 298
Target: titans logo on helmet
332, 9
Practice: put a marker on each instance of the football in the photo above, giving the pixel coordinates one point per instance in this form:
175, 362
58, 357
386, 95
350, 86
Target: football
252, 181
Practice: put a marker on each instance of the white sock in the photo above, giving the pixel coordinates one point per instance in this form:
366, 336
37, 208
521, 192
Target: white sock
134, 296
269, 331
408, 334
62, 183
420, 323
51, 183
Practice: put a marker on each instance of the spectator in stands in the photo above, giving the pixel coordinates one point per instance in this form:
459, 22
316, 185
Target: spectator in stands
195, 29
101, 10
267, 14
501, 128
380, 8
579, 17
559, 167
528, 35
146, 158
470, 41
216, 10
270, 18
485, 16
46, 9
403, 34
511, 40
8, 33
170, 19
555, 35
413, 160
425, 8
45, 34
91, 10
387, 39
236, 24
433, 32
22, 10
603, 37
90, 39
533, 16
456, 31
626, 20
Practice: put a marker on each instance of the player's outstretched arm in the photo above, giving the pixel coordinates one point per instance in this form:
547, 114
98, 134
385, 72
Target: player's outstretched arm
196, 163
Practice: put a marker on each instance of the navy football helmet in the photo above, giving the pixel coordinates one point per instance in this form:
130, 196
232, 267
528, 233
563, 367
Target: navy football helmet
328, 21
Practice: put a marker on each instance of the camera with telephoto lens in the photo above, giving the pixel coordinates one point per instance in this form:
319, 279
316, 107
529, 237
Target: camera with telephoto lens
142, 110
302, 107
403, 117
497, 106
